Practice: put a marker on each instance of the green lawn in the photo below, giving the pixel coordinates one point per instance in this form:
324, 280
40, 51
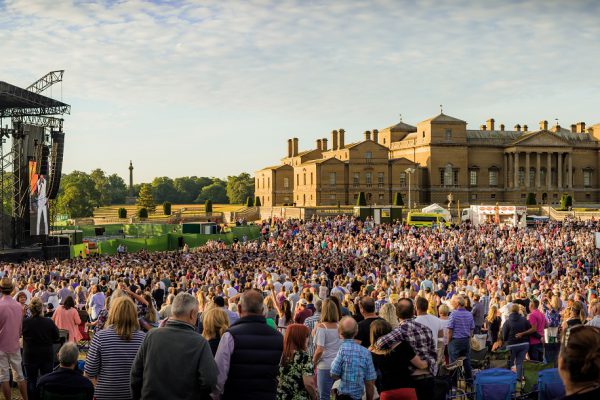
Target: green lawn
190, 209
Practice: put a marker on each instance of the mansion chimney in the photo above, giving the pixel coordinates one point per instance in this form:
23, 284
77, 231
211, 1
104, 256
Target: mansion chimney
544, 125
375, 135
290, 148
367, 135
573, 128
490, 124
581, 127
319, 145
324, 144
334, 140
518, 128
525, 128
341, 139
295, 147
482, 127
502, 127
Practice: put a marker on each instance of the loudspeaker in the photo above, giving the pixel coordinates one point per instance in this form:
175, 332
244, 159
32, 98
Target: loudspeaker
62, 252
180, 242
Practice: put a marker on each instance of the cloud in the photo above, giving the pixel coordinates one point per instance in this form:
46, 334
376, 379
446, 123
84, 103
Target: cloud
292, 67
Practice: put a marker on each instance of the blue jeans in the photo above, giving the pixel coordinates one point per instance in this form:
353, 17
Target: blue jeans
517, 356
324, 383
461, 348
536, 352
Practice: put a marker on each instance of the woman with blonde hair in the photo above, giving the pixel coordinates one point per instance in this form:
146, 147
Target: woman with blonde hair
327, 342
214, 323
388, 313
492, 324
113, 350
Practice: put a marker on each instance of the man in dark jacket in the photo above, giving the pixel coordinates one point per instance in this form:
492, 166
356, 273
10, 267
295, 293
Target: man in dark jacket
66, 379
175, 362
249, 354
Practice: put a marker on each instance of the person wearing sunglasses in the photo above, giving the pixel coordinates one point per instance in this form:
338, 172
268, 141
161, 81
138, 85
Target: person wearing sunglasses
579, 363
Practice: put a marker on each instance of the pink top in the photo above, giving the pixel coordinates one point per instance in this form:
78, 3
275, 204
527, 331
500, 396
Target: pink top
537, 318
68, 320
11, 322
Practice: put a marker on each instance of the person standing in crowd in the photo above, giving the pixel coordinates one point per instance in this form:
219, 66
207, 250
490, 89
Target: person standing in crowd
492, 324
249, 354
536, 332
478, 312
513, 333
96, 303
353, 365
67, 318
594, 315
215, 323
327, 341
460, 331
310, 323
393, 366
420, 339
39, 334
112, 351
367, 310
579, 363
388, 312
175, 362
66, 380
11, 318
302, 312
220, 302
296, 373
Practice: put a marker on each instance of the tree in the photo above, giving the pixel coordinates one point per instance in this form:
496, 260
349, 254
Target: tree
166, 208
249, 202
122, 212
117, 188
143, 213
146, 198
102, 186
257, 202
188, 187
215, 192
566, 201
240, 187
208, 206
398, 201
361, 201
77, 196
164, 190
530, 201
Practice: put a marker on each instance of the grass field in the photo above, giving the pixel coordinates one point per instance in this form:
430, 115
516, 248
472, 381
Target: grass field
189, 209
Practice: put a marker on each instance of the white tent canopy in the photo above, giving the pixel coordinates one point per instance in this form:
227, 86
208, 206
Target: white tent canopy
437, 209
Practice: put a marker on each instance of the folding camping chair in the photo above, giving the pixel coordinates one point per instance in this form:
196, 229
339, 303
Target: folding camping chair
479, 358
453, 376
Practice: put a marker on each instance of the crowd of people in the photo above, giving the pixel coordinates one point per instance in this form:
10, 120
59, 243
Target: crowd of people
313, 307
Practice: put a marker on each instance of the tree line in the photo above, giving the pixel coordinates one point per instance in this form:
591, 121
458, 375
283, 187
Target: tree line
81, 192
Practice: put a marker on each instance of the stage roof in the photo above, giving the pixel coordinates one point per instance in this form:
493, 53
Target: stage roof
15, 101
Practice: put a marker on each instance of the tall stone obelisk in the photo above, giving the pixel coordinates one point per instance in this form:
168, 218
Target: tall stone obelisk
131, 199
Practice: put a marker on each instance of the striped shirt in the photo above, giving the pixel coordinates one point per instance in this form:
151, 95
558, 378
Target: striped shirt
109, 360
462, 324
311, 322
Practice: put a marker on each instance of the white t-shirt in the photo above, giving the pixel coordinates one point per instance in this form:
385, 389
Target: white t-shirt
432, 322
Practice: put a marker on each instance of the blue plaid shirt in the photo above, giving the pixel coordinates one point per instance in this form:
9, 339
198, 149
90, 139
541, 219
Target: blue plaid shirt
354, 365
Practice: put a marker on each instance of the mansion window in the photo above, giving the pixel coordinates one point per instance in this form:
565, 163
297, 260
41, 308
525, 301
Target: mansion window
286, 183
380, 178
297, 179
332, 197
493, 177
369, 179
473, 177
587, 178
311, 178
474, 196
493, 196
543, 176
268, 182
449, 176
521, 176
381, 196
531, 176
368, 155
304, 180
332, 178
448, 135
402, 179
356, 179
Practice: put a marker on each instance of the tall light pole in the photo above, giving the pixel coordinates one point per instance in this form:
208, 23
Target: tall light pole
409, 171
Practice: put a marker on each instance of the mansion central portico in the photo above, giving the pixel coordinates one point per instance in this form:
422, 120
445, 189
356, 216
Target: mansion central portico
437, 157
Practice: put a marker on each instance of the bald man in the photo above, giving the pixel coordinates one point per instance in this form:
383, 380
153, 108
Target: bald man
249, 354
353, 365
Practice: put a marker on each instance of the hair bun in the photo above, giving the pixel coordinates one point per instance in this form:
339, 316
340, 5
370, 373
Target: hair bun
591, 364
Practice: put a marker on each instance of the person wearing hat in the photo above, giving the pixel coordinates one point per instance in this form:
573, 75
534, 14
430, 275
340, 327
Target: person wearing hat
11, 319
302, 312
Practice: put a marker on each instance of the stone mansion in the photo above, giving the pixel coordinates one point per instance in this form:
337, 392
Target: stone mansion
437, 157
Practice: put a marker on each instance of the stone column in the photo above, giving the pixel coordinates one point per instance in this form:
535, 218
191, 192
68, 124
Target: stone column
527, 169
559, 169
570, 171
505, 170
548, 171
516, 178
537, 170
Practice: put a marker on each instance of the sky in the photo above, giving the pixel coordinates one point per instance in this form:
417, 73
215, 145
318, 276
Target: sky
215, 88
